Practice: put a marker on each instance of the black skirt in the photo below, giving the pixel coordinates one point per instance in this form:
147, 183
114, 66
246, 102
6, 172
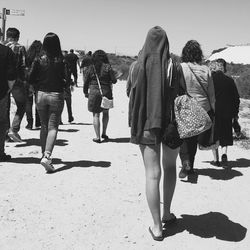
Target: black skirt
95, 98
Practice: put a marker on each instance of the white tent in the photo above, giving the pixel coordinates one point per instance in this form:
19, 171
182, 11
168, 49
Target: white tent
234, 54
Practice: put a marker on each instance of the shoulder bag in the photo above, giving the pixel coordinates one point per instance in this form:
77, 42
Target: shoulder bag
191, 118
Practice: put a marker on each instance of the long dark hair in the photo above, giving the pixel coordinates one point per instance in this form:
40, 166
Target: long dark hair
33, 51
99, 57
192, 52
52, 46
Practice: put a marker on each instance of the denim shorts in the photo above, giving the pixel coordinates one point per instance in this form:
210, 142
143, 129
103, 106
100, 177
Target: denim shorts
51, 101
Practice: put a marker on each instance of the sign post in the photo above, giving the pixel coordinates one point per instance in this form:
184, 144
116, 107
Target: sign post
9, 12
3, 23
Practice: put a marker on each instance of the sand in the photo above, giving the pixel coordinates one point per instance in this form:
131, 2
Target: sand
96, 198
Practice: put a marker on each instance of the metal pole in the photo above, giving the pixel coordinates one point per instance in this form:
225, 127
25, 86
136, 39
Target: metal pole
3, 23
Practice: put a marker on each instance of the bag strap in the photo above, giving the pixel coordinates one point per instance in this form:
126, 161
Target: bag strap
98, 81
200, 85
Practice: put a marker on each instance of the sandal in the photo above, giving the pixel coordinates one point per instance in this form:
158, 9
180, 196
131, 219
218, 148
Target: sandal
170, 221
97, 140
105, 137
157, 238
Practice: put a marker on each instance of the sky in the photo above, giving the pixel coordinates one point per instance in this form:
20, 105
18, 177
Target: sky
121, 26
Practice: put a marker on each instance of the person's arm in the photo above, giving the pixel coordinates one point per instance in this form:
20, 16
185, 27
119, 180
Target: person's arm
129, 80
11, 69
86, 83
211, 92
112, 75
236, 100
32, 74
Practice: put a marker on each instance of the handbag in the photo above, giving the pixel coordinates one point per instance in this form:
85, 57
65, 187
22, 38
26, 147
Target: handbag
106, 103
191, 118
171, 136
207, 140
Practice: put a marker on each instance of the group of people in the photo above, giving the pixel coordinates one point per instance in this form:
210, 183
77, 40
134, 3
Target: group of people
154, 81
43, 74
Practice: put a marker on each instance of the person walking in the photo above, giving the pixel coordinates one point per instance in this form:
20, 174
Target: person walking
18, 91
73, 60
102, 69
49, 75
226, 109
68, 94
156, 82
7, 80
33, 52
195, 74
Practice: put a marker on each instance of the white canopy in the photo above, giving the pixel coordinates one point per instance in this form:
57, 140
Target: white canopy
234, 54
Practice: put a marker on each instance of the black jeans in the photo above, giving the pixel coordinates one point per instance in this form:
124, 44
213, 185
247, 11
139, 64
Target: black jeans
3, 121
188, 150
29, 113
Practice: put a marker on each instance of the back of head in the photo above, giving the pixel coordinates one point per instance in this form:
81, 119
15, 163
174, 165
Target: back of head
99, 57
13, 33
222, 64
192, 52
156, 42
71, 51
89, 53
34, 50
52, 46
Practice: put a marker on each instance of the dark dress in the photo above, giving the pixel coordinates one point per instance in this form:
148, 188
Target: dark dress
90, 88
226, 107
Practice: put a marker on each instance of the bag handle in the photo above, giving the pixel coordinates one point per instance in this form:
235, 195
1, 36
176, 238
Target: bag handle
98, 81
201, 85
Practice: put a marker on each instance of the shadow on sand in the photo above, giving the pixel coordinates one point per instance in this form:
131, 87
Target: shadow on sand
68, 164
214, 174
118, 140
36, 142
71, 130
209, 225
83, 164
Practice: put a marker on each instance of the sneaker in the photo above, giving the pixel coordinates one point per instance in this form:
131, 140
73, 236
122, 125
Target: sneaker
5, 157
15, 136
47, 164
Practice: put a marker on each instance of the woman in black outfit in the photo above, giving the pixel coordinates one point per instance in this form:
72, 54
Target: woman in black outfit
91, 90
50, 76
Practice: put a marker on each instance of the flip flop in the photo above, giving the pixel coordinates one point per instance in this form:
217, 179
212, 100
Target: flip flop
170, 221
157, 238
97, 140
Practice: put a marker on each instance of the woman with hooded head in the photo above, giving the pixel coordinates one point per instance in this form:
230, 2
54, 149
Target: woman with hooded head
49, 75
157, 83
102, 69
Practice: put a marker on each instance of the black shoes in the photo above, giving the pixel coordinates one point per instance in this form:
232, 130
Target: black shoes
71, 119
105, 137
5, 157
186, 170
29, 126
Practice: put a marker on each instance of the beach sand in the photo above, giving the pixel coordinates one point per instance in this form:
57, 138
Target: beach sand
96, 198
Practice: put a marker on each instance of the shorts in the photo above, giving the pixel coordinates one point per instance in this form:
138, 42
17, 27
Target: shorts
151, 137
